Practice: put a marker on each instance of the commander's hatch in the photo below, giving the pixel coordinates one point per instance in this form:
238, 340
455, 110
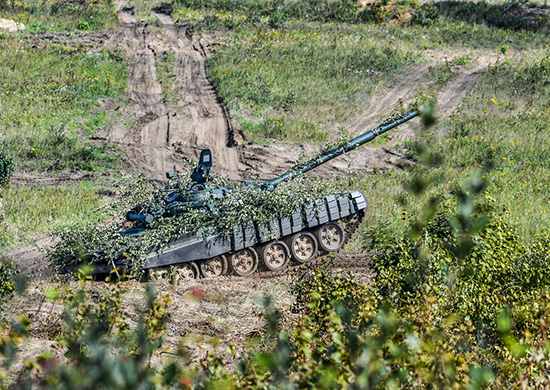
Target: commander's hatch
201, 173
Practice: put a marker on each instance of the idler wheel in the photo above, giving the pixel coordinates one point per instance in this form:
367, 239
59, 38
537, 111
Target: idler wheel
276, 255
303, 247
214, 267
244, 262
186, 271
331, 236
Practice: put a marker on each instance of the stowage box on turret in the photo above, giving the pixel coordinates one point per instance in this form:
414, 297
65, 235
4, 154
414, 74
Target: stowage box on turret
299, 237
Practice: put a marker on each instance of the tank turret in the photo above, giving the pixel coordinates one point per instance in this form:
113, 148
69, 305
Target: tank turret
201, 194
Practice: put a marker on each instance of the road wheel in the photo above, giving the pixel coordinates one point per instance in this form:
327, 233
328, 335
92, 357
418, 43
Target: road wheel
159, 274
331, 236
214, 267
303, 247
276, 256
244, 262
186, 271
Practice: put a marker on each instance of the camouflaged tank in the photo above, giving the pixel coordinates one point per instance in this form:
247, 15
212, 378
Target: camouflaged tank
310, 231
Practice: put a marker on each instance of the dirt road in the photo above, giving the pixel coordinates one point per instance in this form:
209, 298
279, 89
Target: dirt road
154, 133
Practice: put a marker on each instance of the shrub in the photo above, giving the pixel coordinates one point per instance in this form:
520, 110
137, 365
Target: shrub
426, 15
475, 269
6, 169
7, 273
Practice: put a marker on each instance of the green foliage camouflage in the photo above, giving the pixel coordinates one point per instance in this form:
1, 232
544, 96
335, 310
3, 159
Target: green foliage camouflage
245, 203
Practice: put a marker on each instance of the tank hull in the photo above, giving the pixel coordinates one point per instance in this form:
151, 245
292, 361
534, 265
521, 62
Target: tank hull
203, 245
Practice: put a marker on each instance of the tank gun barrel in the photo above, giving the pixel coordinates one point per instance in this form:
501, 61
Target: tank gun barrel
337, 151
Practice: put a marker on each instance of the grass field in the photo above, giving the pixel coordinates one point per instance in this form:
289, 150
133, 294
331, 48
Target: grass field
61, 16
46, 114
48, 110
32, 210
300, 80
501, 129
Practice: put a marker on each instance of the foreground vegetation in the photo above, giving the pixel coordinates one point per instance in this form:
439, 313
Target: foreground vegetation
431, 319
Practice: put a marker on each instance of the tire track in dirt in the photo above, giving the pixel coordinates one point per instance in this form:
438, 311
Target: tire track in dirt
415, 79
411, 81
154, 134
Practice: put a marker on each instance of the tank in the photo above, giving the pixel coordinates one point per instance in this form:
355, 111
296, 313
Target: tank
313, 230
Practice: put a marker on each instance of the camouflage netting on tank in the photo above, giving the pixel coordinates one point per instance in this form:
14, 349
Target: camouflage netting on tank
246, 203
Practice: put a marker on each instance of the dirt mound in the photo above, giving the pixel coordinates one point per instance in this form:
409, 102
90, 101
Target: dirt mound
10, 25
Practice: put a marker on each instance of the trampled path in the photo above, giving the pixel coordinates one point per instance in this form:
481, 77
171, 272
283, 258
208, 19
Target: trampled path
403, 89
155, 134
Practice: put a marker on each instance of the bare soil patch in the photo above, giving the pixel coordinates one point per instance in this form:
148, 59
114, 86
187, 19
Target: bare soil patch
10, 25
153, 133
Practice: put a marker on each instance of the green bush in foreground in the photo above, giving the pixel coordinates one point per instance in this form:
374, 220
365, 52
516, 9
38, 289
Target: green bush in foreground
457, 303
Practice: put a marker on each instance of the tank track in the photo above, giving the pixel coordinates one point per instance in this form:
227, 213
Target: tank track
352, 224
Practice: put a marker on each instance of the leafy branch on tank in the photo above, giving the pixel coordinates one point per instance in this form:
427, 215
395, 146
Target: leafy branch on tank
104, 244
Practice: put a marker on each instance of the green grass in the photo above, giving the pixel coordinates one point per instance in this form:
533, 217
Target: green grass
299, 82
472, 24
142, 9
45, 113
442, 73
61, 16
165, 63
504, 124
32, 210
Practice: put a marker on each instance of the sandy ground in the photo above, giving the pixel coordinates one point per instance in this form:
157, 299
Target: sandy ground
212, 312
10, 25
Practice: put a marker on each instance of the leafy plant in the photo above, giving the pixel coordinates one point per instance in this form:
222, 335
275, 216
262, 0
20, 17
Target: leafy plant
8, 272
6, 168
